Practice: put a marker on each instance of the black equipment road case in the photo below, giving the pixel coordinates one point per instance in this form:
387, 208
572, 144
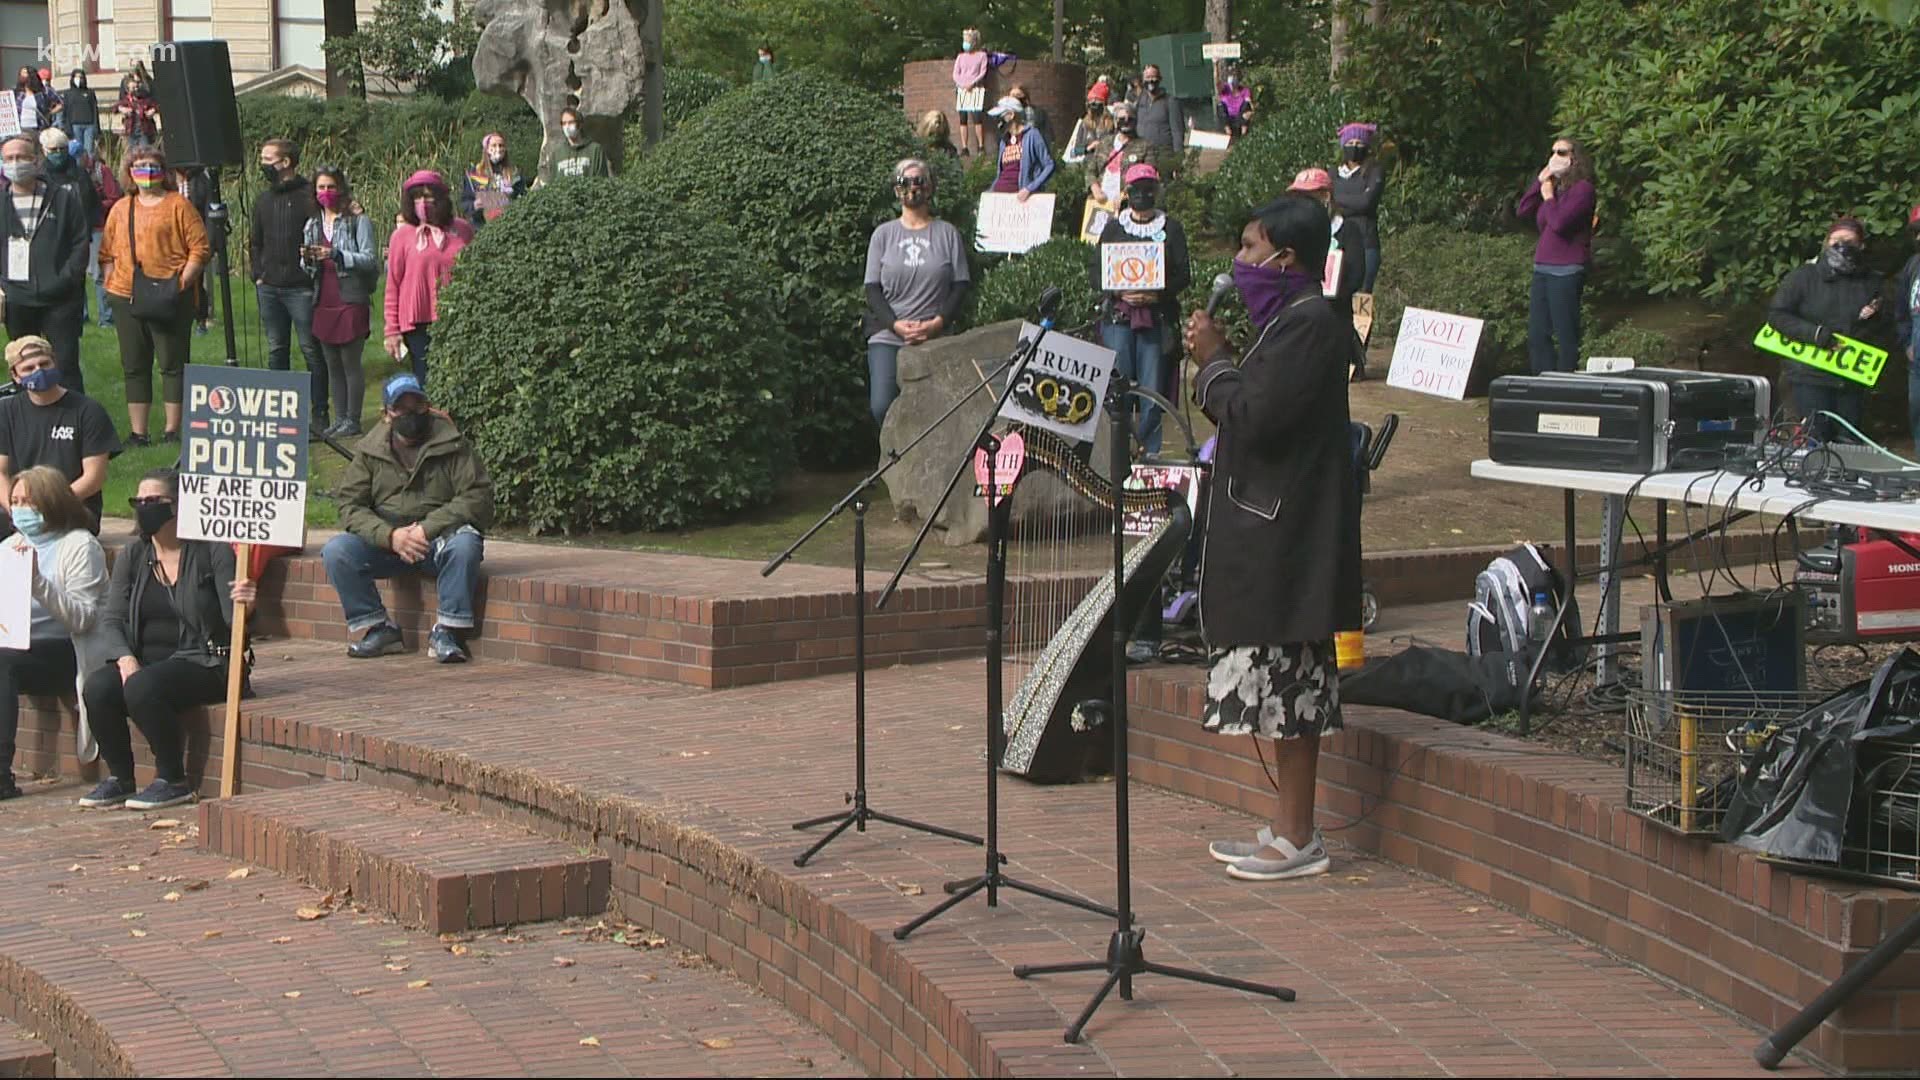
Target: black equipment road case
1642, 420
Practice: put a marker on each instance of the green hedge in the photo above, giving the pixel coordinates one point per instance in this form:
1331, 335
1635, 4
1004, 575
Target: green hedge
688, 90
1011, 288
1462, 273
1290, 131
643, 387
799, 170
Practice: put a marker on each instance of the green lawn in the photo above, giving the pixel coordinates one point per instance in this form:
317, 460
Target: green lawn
100, 358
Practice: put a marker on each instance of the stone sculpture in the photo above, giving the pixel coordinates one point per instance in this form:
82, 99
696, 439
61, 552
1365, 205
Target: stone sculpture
597, 56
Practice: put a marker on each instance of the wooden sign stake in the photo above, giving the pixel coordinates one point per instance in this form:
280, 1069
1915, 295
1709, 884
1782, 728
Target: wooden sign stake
236, 669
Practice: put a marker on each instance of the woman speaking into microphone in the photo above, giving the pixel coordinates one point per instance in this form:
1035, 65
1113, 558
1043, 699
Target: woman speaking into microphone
1280, 563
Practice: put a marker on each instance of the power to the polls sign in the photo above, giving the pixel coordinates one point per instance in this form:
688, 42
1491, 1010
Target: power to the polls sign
243, 473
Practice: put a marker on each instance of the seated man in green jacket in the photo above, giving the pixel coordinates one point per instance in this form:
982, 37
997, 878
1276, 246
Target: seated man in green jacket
414, 499
579, 155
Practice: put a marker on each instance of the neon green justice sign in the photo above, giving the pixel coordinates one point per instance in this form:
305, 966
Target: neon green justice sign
1849, 359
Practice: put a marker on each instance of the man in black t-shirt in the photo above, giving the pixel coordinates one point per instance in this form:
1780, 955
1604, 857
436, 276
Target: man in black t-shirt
48, 424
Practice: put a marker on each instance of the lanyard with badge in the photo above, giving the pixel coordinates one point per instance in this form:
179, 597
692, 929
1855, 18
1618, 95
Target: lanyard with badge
19, 248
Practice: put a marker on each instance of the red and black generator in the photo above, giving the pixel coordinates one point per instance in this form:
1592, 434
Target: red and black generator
1861, 588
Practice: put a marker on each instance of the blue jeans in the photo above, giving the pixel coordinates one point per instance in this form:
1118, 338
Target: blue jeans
1138, 356
883, 378
1811, 399
84, 135
1373, 270
285, 311
454, 562
418, 340
1553, 322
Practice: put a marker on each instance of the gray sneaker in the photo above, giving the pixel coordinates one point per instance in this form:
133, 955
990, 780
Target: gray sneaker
1230, 851
1280, 861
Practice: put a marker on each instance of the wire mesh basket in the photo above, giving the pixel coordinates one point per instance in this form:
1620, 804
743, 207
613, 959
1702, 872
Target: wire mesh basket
1883, 826
1685, 749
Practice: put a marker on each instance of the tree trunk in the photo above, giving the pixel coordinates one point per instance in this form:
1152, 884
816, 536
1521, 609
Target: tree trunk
1219, 20
1339, 18
653, 115
339, 20
1059, 31
1376, 12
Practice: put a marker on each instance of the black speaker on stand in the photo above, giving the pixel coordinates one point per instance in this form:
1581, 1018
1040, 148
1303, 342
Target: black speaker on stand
200, 127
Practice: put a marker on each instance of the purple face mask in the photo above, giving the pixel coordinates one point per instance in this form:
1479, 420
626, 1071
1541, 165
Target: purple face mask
1266, 289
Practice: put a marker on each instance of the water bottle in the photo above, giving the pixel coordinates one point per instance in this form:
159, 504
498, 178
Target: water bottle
1539, 623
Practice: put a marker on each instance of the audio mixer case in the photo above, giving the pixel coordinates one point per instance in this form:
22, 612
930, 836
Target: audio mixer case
1642, 420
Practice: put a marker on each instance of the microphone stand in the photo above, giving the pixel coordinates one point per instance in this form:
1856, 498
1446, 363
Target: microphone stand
993, 880
858, 498
1126, 955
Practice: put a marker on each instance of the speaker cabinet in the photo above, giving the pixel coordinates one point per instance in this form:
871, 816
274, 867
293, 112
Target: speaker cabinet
193, 87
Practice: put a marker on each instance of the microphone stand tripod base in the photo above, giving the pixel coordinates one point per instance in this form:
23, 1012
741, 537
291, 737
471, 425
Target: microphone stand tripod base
858, 817
1126, 957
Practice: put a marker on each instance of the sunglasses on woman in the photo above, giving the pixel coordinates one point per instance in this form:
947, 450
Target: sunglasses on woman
139, 501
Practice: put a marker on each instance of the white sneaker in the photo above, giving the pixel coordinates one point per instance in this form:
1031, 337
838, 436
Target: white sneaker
1280, 861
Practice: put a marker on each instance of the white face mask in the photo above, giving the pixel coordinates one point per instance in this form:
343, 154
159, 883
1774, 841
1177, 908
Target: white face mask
571, 131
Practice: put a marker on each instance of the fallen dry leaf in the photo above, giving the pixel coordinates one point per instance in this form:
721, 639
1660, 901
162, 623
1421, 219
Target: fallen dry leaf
908, 888
590, 1040
75, 868
458, 950
363, 991
511, 939
398, 968
164, 823
236, 875
134, 867
173, 896
138, 933
281, 940
206, 935
291, 994
720, 1042
563, 961
308, 914
419, 984
134, 915
197, 884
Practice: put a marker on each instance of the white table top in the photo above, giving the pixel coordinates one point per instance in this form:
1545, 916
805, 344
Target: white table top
1713, 488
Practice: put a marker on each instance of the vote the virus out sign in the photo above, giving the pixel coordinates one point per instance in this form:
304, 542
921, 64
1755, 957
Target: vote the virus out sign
243, 477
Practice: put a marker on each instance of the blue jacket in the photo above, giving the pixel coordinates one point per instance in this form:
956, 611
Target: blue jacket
1036, 161
354, 256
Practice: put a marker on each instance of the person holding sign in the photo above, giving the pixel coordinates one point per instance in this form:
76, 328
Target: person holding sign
1141, 268
1560, 203
916, 282
414, 499
1345, 269
1025, 162
167, 631
1835, 293
68, 586
1280, 571
492, 183
970, 91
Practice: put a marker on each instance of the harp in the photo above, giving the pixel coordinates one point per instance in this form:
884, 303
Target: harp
1057, 524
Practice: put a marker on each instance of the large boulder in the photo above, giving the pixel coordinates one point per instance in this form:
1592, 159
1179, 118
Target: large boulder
932, 377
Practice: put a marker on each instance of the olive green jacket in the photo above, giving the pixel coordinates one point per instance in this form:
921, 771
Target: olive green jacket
446, 488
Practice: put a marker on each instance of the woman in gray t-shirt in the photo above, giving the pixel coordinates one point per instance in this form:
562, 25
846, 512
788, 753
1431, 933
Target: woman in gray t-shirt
916, 281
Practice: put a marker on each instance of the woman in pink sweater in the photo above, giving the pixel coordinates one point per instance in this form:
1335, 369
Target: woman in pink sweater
420, 257
969, 77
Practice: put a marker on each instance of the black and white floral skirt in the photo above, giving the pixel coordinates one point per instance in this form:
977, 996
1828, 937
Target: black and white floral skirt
1278, 691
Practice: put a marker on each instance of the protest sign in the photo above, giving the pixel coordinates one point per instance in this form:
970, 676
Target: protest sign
1330, 279
1183, 480
1010, 226
1062, 387
1209, 140
1008, 461
243, 477
1140, 267
1434, 353
971, 99
1849, 359
1220, 50
9, 116
16, 596
1093, 221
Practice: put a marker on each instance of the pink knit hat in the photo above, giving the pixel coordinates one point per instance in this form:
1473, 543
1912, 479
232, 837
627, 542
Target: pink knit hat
1312, 180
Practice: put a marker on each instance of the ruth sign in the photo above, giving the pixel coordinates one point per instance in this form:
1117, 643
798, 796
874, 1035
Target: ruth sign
1140, 267
1062, 387
243, 477
1853, 360
1433, 353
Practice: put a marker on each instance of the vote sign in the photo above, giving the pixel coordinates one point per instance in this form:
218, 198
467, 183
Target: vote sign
243, 474
1131, 267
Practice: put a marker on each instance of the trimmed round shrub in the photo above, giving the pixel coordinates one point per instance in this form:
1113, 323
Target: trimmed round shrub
799, 171
1288, 133
1461, 273
617, 361
1011, 289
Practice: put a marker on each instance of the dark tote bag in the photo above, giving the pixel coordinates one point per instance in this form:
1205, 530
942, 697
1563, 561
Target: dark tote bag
153, 298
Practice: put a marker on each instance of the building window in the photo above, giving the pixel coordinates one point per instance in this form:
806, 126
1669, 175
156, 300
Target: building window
105, 49
189, 20
299, 28
23, 26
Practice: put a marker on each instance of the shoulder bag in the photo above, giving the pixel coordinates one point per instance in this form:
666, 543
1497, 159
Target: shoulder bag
153, 298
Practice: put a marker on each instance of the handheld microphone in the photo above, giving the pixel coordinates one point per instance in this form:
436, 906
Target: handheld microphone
1222, 285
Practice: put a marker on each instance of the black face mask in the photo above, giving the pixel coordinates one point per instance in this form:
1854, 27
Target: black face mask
1152, 85
1356, 153
1128, 126
1143, 197
271, 172
152, 517
413, 426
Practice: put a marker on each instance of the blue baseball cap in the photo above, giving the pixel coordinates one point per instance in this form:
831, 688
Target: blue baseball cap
400, 386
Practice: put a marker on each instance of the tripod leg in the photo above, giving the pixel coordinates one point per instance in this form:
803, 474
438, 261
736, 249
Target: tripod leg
900, 933
1021, 971
822, 819
801, 859
905, 823
1280, 992
1060, 897
1086, 1014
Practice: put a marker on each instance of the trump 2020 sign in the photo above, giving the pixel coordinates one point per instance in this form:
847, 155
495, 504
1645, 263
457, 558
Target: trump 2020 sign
243, 467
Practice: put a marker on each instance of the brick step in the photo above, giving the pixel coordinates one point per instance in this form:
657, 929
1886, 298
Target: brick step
426, 865
22, 1055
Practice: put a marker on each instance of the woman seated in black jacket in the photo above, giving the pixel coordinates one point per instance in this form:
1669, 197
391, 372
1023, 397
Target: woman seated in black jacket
169, 619
1280, 564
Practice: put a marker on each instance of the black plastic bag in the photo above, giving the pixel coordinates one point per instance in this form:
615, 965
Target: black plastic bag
1440, 682
1795, 793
